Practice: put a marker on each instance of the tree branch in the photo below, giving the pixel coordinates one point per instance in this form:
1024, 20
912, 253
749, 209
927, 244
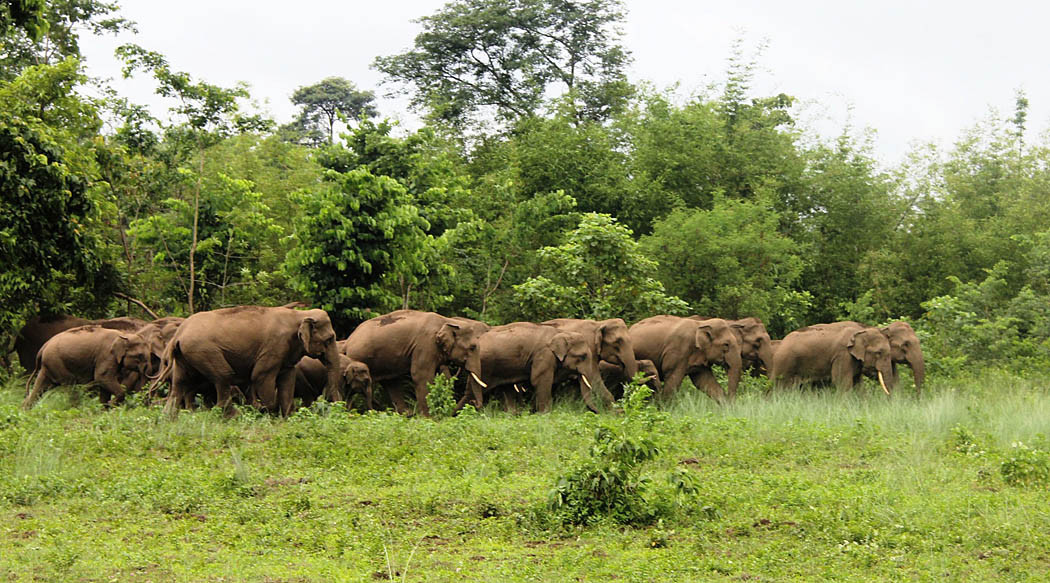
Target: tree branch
137, 303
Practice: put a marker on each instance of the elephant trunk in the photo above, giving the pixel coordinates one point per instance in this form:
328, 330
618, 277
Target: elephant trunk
333, 386
590, 382
918, 369
630, 365
736, 368
765, 354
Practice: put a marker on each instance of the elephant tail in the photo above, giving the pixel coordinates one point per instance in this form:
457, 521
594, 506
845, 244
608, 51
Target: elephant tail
167, 363
36, 370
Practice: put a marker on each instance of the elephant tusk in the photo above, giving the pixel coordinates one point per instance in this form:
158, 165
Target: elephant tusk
517, 389
883, 383
586, 382
477, 379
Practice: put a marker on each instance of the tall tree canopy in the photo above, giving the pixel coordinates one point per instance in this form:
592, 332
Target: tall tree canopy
493, 57
322, 103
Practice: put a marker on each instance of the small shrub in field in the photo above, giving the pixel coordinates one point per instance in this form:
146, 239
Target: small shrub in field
441, 396
1026, 466
609, 483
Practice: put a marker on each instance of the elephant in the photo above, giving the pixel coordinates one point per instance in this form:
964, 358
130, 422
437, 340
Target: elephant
756, 350
523, 352
414, 345
839, 352
612, 341
311, 376
905, 349
253, 347
39, 329
684, 346
614, 378
91, 354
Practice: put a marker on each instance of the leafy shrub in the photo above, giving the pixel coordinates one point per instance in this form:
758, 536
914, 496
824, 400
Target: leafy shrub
441, 396
1026, 466
610, 483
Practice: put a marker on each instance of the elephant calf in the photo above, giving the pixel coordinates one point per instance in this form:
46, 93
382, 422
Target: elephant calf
116, 361
615, 376
311, 376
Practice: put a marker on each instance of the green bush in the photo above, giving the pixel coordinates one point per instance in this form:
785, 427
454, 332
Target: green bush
441, 396
1026, 466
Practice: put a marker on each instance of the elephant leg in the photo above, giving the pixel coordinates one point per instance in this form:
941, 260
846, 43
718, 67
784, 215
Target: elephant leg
510, 401
673, 381
286, 391
705, 380
264, 385
393, 390
43, 383
422, 374
542, 379
843, 372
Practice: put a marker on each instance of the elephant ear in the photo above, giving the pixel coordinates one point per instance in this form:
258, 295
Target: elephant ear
559, 344
120, 349
857, 348
599, 337
704, 335
446, 336
306, 332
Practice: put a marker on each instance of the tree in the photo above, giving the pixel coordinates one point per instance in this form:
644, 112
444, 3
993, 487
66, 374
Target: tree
731, 262
354, 234
324, 102
598, 273
210, 114
55, 36
52, 258
476, 58
27, 15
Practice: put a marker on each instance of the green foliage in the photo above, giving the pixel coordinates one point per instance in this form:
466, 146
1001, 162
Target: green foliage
324, 102
598, 273
476, 57
52, 258
441, 396
356, 233
609, 483
731, 262
1026, 467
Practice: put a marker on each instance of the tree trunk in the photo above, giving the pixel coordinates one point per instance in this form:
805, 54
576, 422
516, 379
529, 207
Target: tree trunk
196, 217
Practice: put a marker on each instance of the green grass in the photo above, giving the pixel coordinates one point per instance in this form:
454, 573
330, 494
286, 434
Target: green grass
792, 486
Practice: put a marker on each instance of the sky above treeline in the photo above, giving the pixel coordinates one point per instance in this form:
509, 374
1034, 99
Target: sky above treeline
913, 71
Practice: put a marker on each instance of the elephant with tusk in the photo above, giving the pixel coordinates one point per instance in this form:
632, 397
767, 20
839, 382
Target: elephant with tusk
412, 345
539, 355
839, 352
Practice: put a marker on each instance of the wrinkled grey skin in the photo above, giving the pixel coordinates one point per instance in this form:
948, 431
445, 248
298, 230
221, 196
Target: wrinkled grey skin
409, 345
685, 346
527, 353
115, 361
611, 340
311, 376
838, 352
614, 377
905, 349
253, 347
39, 329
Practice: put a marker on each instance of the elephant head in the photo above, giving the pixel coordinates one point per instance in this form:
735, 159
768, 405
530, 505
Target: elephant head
357, 379
133, 354
318, 340
614, 342
904, 348
574, 353
756, 348
717, 343
458, 340
871, 348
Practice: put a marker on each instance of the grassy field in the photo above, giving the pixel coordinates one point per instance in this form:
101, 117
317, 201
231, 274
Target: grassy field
855, 487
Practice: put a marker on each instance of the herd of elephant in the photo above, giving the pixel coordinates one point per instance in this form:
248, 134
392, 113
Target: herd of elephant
270, 356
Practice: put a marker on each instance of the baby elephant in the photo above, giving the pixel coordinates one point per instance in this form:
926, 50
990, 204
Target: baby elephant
614, 376
116, 361
311, 375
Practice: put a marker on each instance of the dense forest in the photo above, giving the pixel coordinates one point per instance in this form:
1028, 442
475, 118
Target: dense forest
543, 183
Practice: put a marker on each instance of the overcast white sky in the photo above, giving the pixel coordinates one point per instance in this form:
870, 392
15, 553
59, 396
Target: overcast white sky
912, 70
